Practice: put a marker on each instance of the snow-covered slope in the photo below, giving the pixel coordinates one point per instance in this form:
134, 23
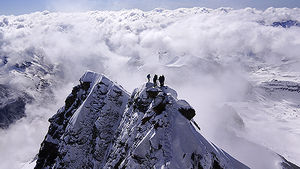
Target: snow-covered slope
93, 130
155, 132
81, 132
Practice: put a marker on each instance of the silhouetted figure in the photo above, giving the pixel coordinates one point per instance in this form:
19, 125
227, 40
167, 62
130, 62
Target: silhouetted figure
161, 80
155, 80
148, 77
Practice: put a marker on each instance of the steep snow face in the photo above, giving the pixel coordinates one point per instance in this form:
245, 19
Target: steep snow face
81, 132
156, 132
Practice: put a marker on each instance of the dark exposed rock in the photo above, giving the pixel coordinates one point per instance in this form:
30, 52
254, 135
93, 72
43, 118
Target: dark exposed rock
146, 119
72, 97
288, 165
4, 59
160, 108
23, 65
286, 24
188, 113
196, 160
49, 147
12, 105
47, 154
153, 92
196, 125
12, 112
216, 165
275, 85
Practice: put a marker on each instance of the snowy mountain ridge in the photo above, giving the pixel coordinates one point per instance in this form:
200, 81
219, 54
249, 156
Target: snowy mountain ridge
95, 130
102, 126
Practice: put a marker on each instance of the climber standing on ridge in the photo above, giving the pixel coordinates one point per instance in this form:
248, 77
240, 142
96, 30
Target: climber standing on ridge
148, 77
161, 80
155, 80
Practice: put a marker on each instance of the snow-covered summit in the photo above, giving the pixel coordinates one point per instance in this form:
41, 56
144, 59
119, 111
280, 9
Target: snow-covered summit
101, 126
156, 132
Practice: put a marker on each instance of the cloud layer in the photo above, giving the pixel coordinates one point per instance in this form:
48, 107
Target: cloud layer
211, 57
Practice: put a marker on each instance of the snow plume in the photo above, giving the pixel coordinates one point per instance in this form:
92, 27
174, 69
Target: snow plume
213, 58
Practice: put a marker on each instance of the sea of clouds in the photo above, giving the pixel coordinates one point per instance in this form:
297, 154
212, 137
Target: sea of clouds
209, 56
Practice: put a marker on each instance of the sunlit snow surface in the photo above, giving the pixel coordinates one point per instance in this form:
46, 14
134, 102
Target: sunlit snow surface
218, 60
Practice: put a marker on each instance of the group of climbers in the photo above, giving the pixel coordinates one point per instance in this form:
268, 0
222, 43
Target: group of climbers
161, 79
153, 92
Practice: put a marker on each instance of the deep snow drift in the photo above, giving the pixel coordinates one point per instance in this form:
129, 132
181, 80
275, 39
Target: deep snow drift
221, 61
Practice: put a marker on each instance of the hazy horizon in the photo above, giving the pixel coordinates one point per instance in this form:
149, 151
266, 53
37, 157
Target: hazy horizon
18, 7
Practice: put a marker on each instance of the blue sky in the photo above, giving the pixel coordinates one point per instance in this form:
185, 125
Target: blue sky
16, 7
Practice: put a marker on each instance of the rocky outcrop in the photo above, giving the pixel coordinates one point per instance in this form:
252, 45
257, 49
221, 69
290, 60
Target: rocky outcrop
58, 123
277, 85
81, 131
156, 132
286, 24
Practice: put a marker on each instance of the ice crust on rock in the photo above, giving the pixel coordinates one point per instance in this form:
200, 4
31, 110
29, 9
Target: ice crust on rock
95, 129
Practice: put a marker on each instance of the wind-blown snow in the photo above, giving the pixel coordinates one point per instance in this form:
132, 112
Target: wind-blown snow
214, 58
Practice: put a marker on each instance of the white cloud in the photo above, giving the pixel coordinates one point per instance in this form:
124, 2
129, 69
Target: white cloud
209, 56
